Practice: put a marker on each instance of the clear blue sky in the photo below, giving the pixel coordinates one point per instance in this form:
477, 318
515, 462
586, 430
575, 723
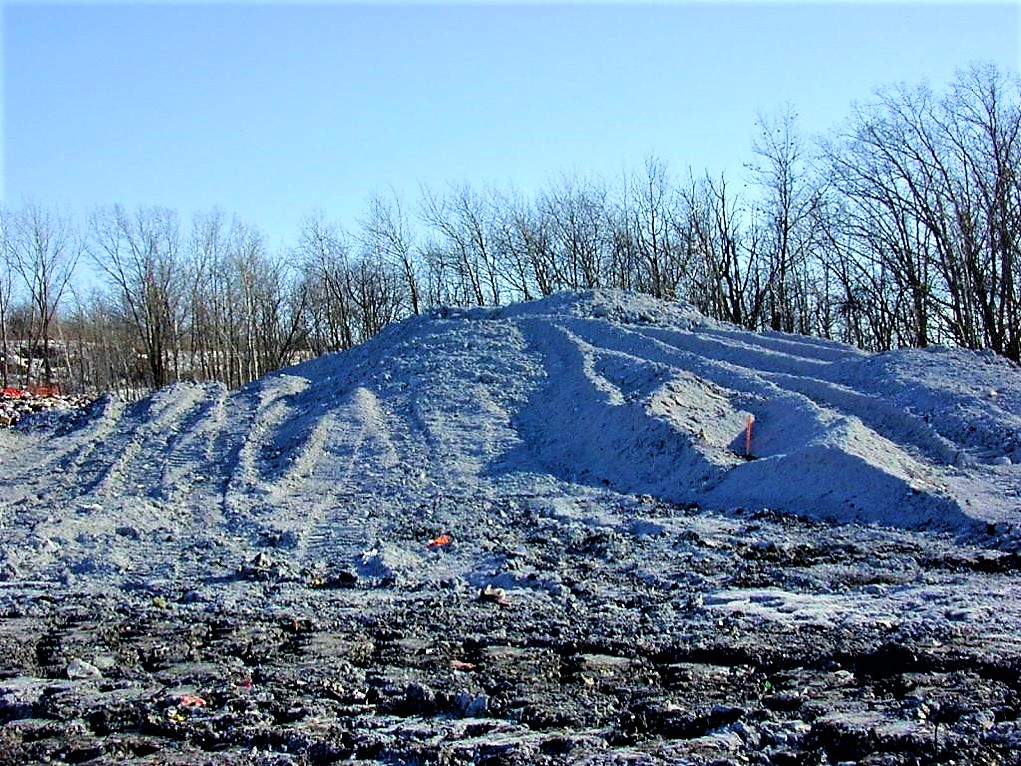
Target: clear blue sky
270, 110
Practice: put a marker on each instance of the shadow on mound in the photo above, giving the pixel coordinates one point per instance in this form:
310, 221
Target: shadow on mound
581, 428
595, 423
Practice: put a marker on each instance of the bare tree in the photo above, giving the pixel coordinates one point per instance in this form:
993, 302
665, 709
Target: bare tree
517, 238
101, 347
374, 286
623, 266
463, 229
387, 232
785, 212
883, 262
44, 250
576, 211
721, 266
6, 293
207, 297
980, 119
931, 186
323, 253
651, 207
140, 257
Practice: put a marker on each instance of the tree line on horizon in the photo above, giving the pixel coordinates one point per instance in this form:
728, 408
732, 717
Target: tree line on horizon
901, 228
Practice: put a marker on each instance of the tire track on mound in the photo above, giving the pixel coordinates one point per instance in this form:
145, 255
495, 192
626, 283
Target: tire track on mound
81, 461
118, 519
794, 366
784, 388
259, 411
855, 458
135, 450
586, 428
194, 461
343, 480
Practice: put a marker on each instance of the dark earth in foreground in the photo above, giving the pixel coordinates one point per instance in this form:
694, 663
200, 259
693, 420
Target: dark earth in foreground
568, 651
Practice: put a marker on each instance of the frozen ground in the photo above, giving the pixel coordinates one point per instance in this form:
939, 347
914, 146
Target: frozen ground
625, 583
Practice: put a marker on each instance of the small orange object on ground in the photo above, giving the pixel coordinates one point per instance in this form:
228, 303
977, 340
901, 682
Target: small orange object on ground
439, 542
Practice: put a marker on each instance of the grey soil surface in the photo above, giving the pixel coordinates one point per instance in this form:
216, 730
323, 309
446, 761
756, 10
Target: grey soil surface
569, 650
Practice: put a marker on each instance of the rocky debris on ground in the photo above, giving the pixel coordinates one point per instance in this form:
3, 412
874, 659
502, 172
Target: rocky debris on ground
16, 404
758, 638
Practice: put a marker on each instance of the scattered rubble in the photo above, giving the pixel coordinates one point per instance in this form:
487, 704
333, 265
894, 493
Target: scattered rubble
16, 404
802, 649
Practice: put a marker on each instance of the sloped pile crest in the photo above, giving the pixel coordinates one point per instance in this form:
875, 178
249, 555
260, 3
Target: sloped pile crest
577, 394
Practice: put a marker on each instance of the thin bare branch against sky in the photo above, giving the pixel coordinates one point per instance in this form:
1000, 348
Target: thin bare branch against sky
271, 109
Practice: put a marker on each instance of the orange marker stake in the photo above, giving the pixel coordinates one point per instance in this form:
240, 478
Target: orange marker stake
748, 435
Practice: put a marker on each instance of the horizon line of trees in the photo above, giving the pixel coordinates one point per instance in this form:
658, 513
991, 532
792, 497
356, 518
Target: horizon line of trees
900, 228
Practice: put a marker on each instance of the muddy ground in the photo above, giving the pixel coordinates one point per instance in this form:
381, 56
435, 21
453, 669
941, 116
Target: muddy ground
762, 639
